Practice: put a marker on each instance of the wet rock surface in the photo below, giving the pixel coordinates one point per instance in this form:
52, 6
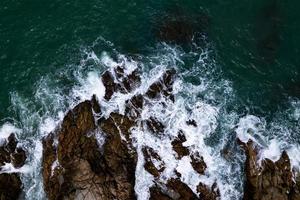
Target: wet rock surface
178, 146
10, 183
78, 166
268, 180
164, 86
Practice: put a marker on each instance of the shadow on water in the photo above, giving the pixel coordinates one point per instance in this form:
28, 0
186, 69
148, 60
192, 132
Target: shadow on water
176, 26
268, 29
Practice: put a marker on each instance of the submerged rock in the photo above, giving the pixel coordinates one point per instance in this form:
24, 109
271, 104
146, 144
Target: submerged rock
182, 29
10, 183
150, 155
268, 30
268, 180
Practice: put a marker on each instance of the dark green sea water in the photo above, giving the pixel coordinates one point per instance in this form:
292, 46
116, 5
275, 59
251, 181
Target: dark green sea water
254, 44
41, 37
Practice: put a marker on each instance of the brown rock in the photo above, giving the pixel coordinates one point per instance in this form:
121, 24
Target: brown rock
119, 72
271, 180
18, 158
123, 83
184, 192
150, 155
117, 124
207, 193
178, 147
109, 84
82, 171
198, 163
157, 194
174, 189
130, 82
134, 106
95, 105
10, 184
155, 126
12, 143
164, 86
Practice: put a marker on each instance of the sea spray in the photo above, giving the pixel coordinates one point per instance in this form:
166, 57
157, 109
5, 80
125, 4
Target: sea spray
201, 94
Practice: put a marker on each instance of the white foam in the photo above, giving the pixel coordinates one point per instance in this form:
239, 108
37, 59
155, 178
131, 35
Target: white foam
7, 129
249, 127
174, 117
90, 86
294, 153
272, 152
9, 168
202, 101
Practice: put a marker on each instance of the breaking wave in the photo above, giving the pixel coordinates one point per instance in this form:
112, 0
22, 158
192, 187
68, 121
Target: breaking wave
201, 94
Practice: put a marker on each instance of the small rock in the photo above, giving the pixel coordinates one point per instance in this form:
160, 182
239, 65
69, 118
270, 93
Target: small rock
178, 147
198, 163
109, 84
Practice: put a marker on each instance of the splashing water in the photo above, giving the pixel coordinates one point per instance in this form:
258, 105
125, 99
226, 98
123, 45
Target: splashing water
201, 94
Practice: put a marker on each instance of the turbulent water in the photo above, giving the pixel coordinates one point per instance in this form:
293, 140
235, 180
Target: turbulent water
228, 88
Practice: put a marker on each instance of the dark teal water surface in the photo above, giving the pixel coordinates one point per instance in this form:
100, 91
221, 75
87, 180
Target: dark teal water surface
255, 42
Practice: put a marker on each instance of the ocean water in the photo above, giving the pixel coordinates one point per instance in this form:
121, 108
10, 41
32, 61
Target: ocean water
241, 80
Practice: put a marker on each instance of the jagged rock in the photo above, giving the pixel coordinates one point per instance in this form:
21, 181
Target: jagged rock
178, 147
95, 105
130, 82
10, 184
270, 180
207, 193
117, 124
18, 158
164, 86
119, 72
123, 83
157, 194
109, 84
149, 155
12, 143
184, 192
134, 106
173, 190
75, 167
154, 125
198, 163
295, 193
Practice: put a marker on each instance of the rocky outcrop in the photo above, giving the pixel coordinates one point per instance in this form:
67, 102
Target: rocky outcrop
93, 157
268, 180
118, 81
77, 168
10, 183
